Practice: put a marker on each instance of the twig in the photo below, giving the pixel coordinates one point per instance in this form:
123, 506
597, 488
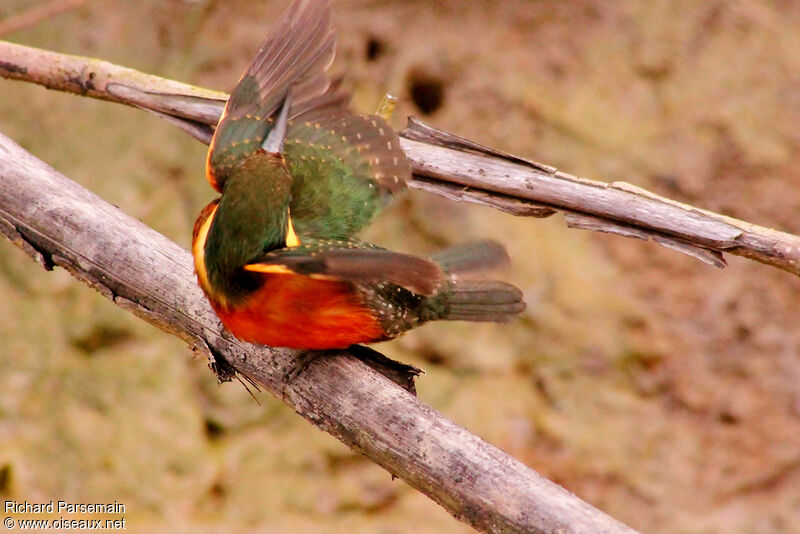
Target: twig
449, 166
37, 14
149, 275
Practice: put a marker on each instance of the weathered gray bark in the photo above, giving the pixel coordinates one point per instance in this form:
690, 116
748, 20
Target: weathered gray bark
448, 166
60, 223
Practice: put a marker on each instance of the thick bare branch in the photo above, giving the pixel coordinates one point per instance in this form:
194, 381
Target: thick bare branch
617, 207
149, 275
448, 166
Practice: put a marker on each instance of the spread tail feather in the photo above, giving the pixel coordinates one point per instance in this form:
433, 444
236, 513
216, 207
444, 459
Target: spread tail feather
471, 257
483, 300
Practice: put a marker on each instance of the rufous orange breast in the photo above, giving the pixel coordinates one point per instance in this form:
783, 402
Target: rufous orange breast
298, 311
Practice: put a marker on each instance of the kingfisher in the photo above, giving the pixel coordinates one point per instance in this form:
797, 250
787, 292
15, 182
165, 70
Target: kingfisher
299, 174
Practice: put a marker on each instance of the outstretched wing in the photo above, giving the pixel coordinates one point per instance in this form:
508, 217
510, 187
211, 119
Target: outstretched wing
354, 262
296, 55
345, 166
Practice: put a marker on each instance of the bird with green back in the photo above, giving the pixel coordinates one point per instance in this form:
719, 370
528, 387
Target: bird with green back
299, 174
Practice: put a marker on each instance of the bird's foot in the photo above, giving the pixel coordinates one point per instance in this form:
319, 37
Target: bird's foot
302, 361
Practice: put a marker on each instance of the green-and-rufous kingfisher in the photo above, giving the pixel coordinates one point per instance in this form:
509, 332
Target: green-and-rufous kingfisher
299, 174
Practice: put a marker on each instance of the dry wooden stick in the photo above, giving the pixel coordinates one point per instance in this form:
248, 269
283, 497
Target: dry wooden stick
37, 14
59, 223
447, 165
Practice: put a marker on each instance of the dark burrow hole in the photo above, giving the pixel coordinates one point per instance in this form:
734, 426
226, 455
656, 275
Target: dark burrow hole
5, 479
727, 418
217, 490
426, 90
374, 49
214, 430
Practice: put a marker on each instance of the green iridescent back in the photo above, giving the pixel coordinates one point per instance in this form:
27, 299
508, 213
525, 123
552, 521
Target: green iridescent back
345, 168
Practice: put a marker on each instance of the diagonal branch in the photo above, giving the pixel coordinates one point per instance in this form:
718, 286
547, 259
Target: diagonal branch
448, 166
147, 274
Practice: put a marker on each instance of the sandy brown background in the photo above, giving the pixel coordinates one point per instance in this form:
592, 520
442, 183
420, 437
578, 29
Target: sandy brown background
662, 390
